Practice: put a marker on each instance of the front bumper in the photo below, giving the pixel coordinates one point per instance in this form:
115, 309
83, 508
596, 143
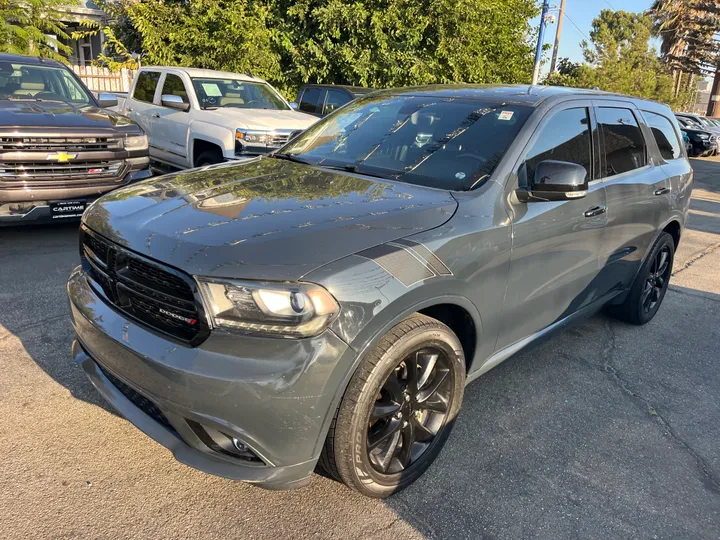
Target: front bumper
32, 205
274, 395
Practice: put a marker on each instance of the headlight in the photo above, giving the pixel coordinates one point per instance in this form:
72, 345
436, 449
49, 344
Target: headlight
271, 309
253, 137
704, 136
136, 142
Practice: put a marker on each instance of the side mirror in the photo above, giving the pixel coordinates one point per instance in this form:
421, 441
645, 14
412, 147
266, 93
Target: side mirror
174, 102
555, 181
294, 106
107, 100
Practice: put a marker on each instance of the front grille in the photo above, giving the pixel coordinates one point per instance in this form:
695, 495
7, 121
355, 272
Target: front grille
51, 144
141, 402
43, 171
158, 297
279, 139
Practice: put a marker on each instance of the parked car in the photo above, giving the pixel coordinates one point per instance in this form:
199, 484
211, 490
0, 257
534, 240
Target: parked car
58, 149
700, 123
197, 117
322, 99
328, 302
703, 143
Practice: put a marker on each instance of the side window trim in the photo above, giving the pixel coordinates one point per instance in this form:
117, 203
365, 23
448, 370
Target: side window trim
674, 126
161, 77
162, 87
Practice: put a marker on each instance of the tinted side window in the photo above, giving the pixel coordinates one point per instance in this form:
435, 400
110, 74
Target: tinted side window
335, 99
145, 86
174, 86
309, 101
623, 140
665, 135
566, 137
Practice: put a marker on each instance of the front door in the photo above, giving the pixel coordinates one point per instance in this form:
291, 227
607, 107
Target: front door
555, 245
170, 126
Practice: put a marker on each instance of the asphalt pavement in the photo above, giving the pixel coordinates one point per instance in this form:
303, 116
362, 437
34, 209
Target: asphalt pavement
606, 431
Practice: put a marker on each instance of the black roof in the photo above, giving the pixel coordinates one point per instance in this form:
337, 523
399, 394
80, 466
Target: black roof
349, 88
22, 59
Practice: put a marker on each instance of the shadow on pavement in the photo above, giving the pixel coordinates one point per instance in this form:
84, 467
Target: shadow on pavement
36, 262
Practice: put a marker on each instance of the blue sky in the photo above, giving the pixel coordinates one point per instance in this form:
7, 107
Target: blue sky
582, 12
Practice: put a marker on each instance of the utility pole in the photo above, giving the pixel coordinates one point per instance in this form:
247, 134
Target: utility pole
541, 36
557, 36
713, 110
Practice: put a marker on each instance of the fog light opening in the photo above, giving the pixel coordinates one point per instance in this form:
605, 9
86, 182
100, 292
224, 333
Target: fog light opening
225, 444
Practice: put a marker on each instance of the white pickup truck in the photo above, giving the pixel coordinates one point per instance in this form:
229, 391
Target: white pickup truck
195, 117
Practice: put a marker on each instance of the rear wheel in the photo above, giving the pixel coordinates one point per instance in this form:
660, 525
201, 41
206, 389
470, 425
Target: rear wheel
651, 283
398, 409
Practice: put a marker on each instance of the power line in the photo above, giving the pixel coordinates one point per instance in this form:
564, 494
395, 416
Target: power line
575, 25
609, 4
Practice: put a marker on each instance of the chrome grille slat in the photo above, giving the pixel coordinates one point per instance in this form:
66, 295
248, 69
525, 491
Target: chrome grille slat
67, 144
45, 171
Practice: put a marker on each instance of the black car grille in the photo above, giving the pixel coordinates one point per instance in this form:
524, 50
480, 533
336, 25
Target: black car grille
158, 297
140, 401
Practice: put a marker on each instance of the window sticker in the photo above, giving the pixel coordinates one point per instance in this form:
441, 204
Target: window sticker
505, 115
213, 90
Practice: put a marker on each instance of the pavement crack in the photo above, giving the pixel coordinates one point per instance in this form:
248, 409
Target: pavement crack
696, 257
709, 478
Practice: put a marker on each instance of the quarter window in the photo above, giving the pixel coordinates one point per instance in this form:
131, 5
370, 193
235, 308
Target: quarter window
623, 141
145, 86
665, 135
566, 137
174, 86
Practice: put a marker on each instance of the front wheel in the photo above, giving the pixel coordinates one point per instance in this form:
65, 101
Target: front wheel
398, 409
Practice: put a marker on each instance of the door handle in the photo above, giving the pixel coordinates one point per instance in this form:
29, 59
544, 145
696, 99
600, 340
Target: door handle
662, 191
155, 115
595, 211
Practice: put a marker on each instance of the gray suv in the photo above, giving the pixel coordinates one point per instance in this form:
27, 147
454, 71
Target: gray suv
326, 304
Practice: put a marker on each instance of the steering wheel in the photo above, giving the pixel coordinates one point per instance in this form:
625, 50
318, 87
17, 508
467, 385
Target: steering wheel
209, 100
50, 96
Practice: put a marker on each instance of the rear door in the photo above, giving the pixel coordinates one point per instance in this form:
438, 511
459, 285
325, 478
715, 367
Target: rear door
140, 105
638, 194
170, 126
555, 244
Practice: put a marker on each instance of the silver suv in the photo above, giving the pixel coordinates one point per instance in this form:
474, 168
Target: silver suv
329, 302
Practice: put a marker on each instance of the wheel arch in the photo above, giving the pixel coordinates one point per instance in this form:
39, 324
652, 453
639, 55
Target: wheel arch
452, 305
203, 145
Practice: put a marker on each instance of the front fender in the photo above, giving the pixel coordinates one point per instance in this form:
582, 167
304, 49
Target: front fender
222, 136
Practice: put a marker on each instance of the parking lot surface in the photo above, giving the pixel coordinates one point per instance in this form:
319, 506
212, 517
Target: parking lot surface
606, 431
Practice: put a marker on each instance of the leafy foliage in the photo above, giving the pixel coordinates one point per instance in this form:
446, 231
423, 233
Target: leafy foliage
378, 43
619, 59
24, 25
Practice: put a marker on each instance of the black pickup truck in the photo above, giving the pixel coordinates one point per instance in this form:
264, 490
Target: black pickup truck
59, 150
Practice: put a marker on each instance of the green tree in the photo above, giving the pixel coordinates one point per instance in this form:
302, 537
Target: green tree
377, 43
26, 27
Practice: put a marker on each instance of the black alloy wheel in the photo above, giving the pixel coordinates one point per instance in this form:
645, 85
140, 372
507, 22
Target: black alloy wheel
657, 280
398, 409
409, 411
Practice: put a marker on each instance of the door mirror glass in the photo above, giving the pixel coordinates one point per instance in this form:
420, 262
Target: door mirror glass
294, 106
107, 100
174, 102
555, 181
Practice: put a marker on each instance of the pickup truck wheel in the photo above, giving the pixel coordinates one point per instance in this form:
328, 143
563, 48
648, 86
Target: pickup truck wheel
208, 157
398, 409
650, 285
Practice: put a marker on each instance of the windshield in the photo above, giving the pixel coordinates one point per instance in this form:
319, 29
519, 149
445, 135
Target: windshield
214, 93
44, 83
441, 142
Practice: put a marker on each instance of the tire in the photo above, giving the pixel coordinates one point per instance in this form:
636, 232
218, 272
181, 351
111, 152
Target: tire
209, 157
650, 285
377, 387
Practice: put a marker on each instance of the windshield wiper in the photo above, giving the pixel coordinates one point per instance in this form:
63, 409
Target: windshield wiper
290, 157
352, 167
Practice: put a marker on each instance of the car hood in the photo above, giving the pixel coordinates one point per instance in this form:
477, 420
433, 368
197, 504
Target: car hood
262, 118
264, 218
17, 113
